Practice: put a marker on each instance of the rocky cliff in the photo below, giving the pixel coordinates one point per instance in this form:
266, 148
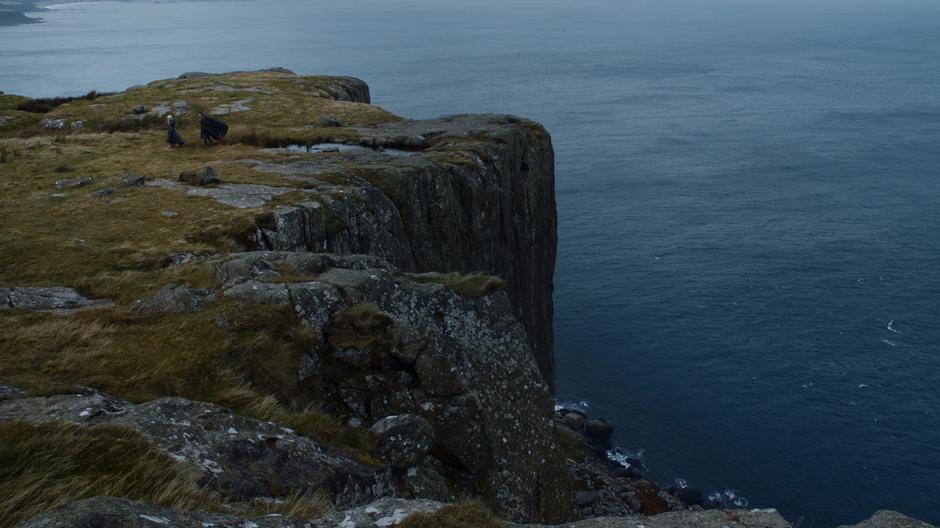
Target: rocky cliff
334, 318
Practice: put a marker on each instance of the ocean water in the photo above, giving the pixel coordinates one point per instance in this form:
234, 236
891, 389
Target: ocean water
748, 279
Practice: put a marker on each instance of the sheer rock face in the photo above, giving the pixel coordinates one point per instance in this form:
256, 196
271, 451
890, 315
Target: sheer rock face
479, 196
392, 346
240, 457
113, 512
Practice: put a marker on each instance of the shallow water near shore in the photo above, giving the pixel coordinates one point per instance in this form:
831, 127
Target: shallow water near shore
748, 279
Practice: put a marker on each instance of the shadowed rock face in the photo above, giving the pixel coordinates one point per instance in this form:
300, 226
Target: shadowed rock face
479, 197
391, 346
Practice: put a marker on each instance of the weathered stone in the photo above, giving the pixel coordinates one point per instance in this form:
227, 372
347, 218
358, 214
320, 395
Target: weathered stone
331, 121
174, 298
205, 176
52, 124
383, 513
890, 519
239, 457
139, 110
7, 392
438, 375
103, 192
474, 380
233, 107
77, 125
169, 214
113, 512
53, 298
73, 182
403, 440
132, 180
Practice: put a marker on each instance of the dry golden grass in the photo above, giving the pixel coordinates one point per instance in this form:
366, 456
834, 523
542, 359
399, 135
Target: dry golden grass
116, 247
468, 285
358, 326
307, 506
48, 465
464, 514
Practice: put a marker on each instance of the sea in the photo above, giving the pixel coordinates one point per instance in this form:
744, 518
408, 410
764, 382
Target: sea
748, 274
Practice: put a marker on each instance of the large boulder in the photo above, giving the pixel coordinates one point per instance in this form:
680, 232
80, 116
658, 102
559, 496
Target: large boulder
403, 440
241, 458
469, 372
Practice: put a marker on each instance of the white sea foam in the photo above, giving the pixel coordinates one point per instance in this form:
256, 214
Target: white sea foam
891, 327
889, 342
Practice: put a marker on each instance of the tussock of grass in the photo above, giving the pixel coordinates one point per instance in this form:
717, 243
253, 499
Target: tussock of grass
464, 514
573, 446
248, 364
468, 285
47, 465
358, 326
305, 506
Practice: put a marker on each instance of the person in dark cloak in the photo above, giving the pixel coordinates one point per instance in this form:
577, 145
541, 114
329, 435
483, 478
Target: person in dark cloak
210, 129
173, 138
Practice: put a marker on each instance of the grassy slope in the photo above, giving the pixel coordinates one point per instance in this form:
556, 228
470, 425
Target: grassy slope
115, 246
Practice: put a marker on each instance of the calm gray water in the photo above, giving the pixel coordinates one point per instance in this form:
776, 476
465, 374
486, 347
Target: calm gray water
749, 196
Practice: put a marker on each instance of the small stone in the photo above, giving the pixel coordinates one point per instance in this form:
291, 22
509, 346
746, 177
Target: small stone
132, 180
72, 183
403, 440
139, 109
169, 214
331, 121
354, 357
52, 124
103, 192
78, 124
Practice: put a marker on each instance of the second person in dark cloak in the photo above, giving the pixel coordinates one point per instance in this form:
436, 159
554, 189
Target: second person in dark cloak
211, 130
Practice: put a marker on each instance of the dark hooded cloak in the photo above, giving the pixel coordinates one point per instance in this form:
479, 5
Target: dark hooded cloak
172, 136
211, 129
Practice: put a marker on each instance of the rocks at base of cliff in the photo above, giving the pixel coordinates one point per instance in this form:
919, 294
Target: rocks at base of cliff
42, 299
890, 519
239, 457
606, 486
391, 346
113, 512
382, 513
682, 519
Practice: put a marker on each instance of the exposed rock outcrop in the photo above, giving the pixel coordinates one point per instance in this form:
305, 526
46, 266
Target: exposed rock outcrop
480, 197
113, 512
52, 298
890, 519
239, 457
683, 519
382, 513
392, 346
